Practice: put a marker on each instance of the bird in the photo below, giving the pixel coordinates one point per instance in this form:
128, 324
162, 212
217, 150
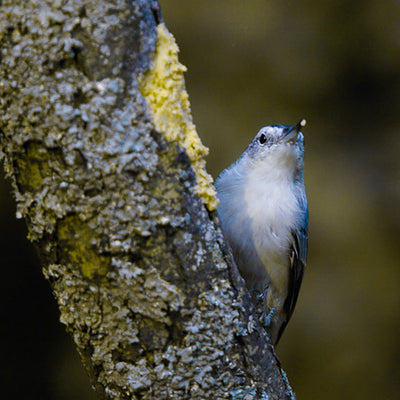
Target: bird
263, 213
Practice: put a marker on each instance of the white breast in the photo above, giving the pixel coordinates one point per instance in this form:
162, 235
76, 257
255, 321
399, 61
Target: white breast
273, 208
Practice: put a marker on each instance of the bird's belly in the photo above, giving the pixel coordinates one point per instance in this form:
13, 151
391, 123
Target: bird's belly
272, 209
274, 254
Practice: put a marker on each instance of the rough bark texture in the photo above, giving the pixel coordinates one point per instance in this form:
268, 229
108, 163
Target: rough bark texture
135, 258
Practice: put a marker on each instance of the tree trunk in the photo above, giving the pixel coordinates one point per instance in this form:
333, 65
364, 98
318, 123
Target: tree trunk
108, 171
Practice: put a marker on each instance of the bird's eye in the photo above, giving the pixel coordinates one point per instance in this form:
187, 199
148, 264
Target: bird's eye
262, 139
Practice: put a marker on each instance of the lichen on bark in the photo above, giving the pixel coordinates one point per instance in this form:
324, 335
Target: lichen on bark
137, 263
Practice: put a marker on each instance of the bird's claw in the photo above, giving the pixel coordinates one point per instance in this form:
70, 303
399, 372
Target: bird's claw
267, 319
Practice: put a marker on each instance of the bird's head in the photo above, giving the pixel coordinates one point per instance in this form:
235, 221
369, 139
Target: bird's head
276, 149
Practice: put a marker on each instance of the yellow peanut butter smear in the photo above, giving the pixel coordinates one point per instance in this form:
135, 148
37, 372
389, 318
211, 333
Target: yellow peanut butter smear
163, 87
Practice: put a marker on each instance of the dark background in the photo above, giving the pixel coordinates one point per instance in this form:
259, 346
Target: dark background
250, 64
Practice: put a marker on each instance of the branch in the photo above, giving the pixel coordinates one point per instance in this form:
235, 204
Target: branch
108, 171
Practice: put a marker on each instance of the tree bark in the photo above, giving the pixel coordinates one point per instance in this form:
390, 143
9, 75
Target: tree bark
108, 171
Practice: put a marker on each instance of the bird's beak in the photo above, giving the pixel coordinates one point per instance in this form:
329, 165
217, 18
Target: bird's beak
291, 135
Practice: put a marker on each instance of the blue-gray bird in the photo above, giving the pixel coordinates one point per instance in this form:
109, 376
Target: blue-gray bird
264, 217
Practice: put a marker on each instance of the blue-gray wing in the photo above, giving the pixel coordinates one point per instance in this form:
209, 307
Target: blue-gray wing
298, 260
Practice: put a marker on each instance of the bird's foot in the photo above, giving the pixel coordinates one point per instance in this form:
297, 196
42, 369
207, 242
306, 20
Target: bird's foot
267, 318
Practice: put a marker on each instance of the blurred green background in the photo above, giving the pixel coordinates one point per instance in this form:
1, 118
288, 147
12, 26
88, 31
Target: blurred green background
250, 64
